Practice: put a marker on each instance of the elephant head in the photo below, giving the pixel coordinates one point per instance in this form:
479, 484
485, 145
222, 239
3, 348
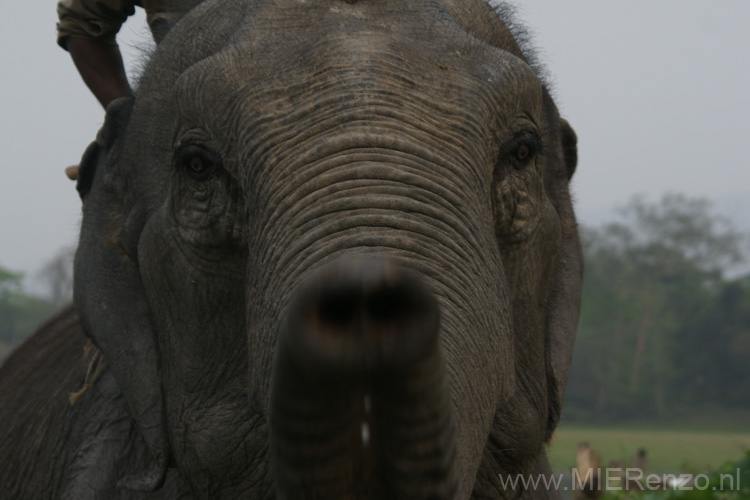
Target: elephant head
329, 251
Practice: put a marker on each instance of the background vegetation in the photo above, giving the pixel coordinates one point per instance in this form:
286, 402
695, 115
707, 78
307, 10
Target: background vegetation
21, 311
727, 482
664, 333
668, 450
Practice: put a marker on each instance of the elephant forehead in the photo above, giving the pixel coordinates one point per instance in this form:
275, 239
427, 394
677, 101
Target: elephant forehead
282, 57
370, 91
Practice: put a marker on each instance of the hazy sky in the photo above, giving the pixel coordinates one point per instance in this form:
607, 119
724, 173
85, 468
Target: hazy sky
656, 90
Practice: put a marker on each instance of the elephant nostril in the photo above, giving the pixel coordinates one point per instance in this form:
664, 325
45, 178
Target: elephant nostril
390, 305
337, 309
360, 316
348, 307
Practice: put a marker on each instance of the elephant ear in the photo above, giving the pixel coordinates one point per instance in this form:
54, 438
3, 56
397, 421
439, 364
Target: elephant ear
562, 318
116, 119
109, 294
569, 147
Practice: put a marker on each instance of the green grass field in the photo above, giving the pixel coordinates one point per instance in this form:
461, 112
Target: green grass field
668, 450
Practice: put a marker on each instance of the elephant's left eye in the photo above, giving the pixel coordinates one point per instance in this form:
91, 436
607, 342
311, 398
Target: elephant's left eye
527, 146
198, 161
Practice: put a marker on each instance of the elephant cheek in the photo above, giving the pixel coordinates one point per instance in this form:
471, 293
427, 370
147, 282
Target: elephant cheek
202, 339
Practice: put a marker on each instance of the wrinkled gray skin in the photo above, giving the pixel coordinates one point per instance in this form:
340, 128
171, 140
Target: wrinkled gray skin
327, 252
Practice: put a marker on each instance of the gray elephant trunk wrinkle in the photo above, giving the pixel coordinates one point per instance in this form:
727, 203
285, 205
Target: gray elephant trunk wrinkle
359, 402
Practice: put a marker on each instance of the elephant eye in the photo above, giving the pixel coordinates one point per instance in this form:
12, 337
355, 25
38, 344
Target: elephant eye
526, 147
524, 151
198, 161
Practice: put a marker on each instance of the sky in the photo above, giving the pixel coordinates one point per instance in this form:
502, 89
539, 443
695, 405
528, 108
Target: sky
657, 91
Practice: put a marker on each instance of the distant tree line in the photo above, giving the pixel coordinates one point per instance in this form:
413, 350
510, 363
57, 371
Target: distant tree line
21, 311
665, 323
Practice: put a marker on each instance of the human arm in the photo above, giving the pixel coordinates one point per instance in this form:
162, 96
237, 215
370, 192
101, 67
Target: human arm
87, 29
101, 68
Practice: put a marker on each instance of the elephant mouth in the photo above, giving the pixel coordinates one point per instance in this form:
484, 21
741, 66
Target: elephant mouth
359, 400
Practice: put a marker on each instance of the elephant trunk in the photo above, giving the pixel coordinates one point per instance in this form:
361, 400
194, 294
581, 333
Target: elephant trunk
359, 401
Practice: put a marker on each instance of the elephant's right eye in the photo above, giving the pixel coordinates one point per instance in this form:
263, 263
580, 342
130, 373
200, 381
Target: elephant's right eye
527, 146
198, 161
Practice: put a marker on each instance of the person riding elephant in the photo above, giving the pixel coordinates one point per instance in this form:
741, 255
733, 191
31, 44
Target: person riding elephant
87, 29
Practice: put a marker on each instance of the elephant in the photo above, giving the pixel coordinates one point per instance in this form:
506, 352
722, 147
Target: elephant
327, 251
